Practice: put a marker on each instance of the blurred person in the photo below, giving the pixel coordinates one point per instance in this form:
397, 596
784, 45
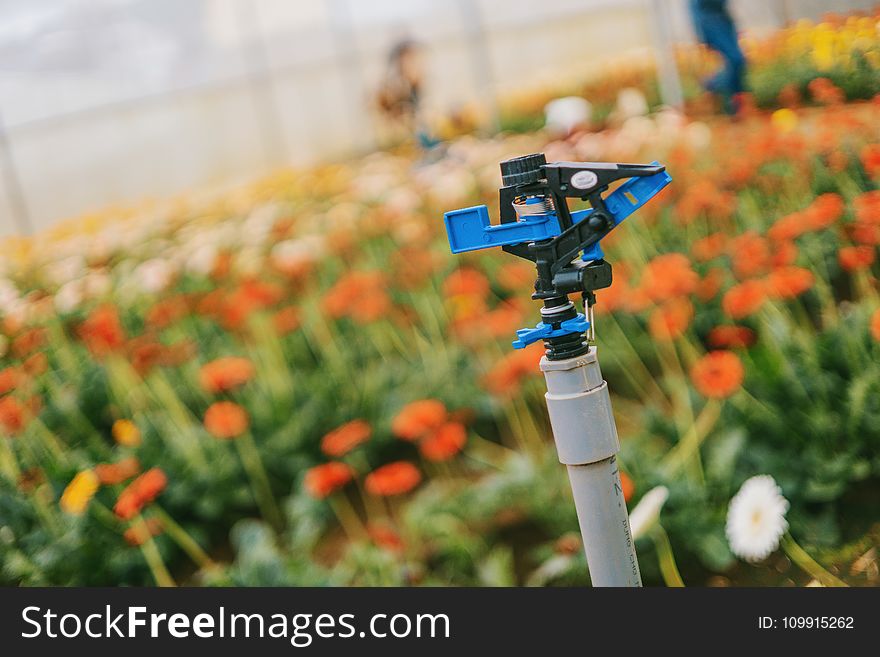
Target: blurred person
400, 94
715, 27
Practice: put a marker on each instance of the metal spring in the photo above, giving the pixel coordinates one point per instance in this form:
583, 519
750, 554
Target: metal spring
527, 210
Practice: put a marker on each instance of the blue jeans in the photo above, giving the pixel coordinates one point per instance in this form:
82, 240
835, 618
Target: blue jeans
715, 28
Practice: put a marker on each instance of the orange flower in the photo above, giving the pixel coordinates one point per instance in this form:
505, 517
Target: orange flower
466, 281
385, 537
224, 374
709, 285
789, 96
343, 439
234, 309
13, 415
667, 276
709, 247
875, 325
260, 292
671, 320
867, 207
371, 307
729, 337
789, 227
474, 324
10, 379
211, 303
138, 534
145, 354
870, 157
110, 474
413, 265
359, 295
505, 319
789, 282
867, 234
825, 92
36, 363
322, 480
346, 291
226, 420
784, 253
704, 198
466, 311
28, 341
167, 311
824, 211
393, 479
744, 299
627, 486
506, 375
286, 320
444, 443
837, 161
102, 331
516, 276
856, 258
750, 254
139, 493
418, 418
718, 374
615, 297
740, 171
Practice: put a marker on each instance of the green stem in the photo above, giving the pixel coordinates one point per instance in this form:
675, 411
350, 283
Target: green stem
250, 458
797, 554
668, 567
151, 555
8, 463
180, 536
691, 441
50, 442
347, 516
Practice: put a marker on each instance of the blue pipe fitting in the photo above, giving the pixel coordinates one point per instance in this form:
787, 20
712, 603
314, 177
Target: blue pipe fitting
525, 337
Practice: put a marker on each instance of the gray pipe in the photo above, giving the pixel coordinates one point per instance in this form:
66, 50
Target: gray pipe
586, 441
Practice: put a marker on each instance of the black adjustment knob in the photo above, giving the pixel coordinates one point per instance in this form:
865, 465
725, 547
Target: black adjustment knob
522, 170
598, 221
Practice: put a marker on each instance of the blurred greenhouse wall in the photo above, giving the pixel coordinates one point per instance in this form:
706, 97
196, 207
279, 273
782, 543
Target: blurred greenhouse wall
111, 101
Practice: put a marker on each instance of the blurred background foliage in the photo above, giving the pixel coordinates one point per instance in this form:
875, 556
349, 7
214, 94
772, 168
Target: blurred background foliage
295, 383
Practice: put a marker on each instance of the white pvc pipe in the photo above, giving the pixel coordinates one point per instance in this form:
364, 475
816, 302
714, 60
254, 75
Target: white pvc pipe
587, 443
604, 522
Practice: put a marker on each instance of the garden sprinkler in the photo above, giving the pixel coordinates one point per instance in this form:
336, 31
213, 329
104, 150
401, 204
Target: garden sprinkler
537, 224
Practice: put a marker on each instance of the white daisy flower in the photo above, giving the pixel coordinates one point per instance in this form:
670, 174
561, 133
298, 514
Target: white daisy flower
66, 269
647, 512
756, 518
563, 115
9, 293
202, 260
97, 284
154, 275
630, 103
290, 255
69, 296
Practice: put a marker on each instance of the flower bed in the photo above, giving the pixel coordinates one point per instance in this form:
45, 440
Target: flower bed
298, 384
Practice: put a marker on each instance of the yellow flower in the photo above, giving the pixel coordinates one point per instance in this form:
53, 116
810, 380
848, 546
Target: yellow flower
784, 120
79, 493
126, 433
823, 47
